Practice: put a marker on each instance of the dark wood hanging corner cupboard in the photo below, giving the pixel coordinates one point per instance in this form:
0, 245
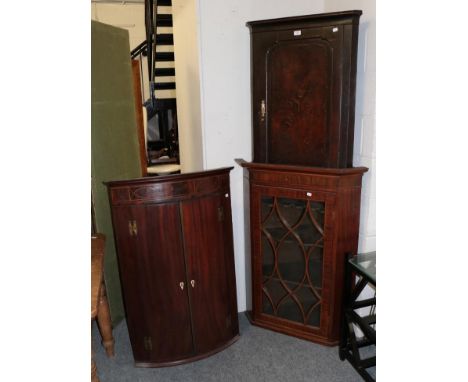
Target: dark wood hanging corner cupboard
302, 195
174, 243
303, 72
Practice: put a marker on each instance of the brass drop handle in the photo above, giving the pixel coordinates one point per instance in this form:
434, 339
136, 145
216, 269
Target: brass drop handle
262, 110
192, 282
181, 284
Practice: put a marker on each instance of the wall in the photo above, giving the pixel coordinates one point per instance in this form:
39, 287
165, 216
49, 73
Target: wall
364, 136
225, 84
187, 65
126, 16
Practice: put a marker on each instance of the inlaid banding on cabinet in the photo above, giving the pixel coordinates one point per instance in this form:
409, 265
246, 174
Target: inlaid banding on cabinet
179, 188
158, 191
120, 195
207, 185
292, 179
306, 33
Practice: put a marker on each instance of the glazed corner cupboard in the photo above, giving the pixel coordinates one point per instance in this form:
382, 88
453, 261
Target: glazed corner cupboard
301, 189
174, 244
303, 73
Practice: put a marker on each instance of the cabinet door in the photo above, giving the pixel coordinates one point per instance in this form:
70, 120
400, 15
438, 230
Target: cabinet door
296, 96
208, 245
292, 267
152, 268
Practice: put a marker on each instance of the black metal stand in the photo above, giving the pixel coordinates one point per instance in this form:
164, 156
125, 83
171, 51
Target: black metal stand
349, 344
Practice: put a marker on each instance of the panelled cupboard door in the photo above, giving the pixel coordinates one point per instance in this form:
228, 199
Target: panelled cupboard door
293, 255
300, 90
208, 246
303, 89
153, 273
302, 97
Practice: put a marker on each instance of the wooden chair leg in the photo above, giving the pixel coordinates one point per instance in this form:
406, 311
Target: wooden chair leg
94, 377
105, 323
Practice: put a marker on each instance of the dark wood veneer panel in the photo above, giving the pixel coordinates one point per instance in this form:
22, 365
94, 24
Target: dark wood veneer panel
204, 231
298, 102
129, 267
303, 74
152, 266
164, 270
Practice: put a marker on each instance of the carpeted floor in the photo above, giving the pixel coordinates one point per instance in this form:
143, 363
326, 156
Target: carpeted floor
259, 355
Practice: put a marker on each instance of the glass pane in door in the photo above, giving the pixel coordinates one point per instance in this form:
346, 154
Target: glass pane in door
292, 258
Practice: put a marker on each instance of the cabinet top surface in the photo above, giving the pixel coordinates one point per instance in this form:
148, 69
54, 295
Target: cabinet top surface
169, 178
344, 16
301, 169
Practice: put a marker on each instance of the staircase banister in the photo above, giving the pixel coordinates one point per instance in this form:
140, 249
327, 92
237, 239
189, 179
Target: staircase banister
140, 48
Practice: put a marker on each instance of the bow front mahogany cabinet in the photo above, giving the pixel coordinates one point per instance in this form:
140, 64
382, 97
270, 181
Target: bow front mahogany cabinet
174, 243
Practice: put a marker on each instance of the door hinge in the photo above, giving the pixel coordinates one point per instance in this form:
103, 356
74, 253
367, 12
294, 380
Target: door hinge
132, 227
221, 213
148, 344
